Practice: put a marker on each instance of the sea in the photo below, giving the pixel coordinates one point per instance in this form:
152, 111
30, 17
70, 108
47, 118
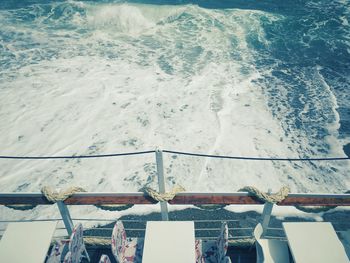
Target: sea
226, 77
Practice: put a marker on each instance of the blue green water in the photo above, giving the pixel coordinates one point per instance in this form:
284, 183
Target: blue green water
295, 55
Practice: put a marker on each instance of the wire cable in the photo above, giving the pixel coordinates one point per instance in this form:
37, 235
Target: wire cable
75, 156
258, 158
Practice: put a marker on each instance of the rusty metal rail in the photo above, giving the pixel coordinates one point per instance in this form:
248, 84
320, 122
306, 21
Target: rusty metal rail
239, 198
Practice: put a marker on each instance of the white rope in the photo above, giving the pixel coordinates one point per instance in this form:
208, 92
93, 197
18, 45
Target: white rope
166, 196
55, 197
265, 197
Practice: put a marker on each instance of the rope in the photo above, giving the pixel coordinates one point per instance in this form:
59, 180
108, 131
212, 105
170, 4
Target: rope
114, 207
55, 197
74, 156
97, 241
264, 197
21, 207
317, 209
314, 209
246, 242
258, 158
210, 207
166, 196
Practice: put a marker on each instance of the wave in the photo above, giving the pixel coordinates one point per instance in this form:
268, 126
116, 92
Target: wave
181, 77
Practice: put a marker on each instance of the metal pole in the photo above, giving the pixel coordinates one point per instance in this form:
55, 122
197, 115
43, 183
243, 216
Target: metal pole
161, 184
67, 220
265, 218
266, 215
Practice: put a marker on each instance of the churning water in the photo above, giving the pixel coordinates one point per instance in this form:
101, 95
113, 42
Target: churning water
246, 78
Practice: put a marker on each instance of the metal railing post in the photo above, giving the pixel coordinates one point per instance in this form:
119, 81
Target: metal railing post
266, 215
67, 220
161, 184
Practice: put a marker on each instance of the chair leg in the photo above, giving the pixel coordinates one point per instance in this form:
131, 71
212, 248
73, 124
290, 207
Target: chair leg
86, 254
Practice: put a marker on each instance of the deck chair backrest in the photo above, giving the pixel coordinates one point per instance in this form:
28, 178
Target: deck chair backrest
59, 249
222, 242
119, 241
68, 258
258, 231
227, 260
104, 259
76, 243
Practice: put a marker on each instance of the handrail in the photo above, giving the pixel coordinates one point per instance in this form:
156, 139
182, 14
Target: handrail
243, 198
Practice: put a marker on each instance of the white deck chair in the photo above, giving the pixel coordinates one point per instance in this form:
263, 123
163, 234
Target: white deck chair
104, 259
69, 251
269, 250
126, 250
209, 251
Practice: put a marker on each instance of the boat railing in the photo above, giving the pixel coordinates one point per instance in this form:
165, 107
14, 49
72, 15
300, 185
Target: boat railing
182, 198
205, 229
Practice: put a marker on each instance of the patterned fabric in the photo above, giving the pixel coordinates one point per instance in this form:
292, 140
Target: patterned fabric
104, 259
68, 258
119, 241
68, 251
76, 244
198, 249
208, 251
57, 252
222, 242
227, 260
125, 250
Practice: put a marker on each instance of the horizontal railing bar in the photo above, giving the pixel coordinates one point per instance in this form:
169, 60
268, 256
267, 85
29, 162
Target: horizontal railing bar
239, 237
100, 228
102, 220
275, 237
145, 221
214, 220
29, 220
57, 228
179, 199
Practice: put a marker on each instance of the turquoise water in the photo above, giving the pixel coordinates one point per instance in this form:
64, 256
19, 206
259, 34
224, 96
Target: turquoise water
227, 77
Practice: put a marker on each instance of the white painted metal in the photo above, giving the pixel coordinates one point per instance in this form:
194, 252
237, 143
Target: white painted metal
161, 184
265, 217
67, 220
170, 242
26, 242
314, 242
270, 250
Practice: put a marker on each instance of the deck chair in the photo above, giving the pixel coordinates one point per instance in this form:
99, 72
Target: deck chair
208, 251
104, 259
125, 250
269, 250
71, 250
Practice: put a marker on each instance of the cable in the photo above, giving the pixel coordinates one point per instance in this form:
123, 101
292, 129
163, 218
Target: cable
74, 156
179, 153
258, 158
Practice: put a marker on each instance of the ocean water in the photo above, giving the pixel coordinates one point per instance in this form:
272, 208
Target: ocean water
244, 78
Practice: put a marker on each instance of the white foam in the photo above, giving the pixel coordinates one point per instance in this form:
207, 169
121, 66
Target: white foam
143, 77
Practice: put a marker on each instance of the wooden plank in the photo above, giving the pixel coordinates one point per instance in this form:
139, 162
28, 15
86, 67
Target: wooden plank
182, 198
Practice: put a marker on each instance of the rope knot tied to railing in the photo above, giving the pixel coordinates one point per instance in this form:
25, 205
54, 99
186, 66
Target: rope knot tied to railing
266, 197
163, 197
55, 197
